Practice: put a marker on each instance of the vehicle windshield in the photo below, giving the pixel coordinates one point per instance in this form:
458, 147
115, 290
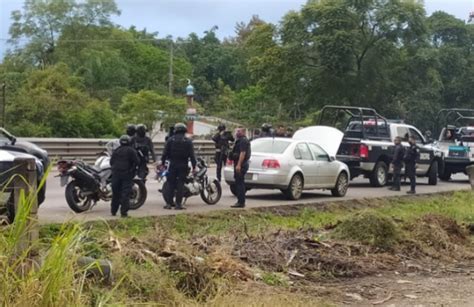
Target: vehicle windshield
272, 146
4, 140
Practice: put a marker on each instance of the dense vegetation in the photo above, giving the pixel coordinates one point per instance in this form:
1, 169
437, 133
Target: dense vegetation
71, 72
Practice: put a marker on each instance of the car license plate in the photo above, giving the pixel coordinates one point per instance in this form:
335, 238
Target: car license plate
255, 177
64, 180
248, 176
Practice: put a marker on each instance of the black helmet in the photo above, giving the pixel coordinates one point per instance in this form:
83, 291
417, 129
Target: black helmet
131, 130
141, 130
221, 127
266, 127
124, 140
180, 128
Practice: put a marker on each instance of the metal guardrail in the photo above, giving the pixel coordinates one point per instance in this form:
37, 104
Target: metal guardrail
88, 149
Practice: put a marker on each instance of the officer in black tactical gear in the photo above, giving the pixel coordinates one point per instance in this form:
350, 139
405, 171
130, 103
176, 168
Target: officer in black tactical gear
267, 131
144, 147
124, 162
240, 156
411, 156
170, 133
222, 140
397, 163
131, 132
179, 150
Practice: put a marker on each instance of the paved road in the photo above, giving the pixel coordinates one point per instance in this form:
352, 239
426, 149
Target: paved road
55, 208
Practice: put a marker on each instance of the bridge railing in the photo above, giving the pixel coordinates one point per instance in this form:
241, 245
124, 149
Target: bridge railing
88, 149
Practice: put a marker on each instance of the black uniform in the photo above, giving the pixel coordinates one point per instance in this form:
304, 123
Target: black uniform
411, 156
179, 150
124, 162
397, 162
241, 145
170, 134
222, 142
144, 147
267, 134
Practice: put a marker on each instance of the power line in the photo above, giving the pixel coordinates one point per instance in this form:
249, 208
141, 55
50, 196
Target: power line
94, 40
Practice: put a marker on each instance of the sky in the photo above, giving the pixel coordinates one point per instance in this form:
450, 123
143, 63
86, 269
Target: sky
181, 17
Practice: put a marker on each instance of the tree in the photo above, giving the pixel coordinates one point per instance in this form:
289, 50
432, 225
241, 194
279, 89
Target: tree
42, 21
148, 107
51, 102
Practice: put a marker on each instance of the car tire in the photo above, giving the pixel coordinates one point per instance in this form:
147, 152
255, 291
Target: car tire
342, 185
295, 188
379, 176
445, 176
433, 173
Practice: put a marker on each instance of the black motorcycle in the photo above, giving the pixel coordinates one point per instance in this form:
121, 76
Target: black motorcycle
198, 183
90, 184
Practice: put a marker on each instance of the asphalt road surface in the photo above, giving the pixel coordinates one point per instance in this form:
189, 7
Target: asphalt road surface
55, 208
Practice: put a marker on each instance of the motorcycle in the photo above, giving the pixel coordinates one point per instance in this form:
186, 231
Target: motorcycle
198, 183
86, 185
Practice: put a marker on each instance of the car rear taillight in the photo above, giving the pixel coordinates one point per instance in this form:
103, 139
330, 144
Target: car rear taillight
363, 151
270, 163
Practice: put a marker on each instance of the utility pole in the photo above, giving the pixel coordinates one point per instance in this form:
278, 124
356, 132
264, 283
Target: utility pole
170, 76
4, 102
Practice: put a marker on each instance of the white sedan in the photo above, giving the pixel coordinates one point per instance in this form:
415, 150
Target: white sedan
292, 166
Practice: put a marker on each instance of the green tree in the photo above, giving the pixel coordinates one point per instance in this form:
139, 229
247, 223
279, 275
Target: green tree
42, 22
148, 107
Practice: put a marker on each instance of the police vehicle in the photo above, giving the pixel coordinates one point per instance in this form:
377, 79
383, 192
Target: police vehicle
455, 128
11, 149
367, 144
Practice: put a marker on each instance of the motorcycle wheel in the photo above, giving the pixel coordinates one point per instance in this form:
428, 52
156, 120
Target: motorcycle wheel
75, 199
212, 192
139, 194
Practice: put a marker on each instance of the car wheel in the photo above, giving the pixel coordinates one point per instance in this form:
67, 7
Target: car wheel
342, 184
378, 177
433, 173
295, 188
446, 175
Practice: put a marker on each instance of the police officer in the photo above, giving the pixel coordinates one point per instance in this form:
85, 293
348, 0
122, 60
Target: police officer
179, 150
280, 132
397, 163
131, 132
124, 162
170, 133
240, 155
411, 156
222, 140
256, 134
267, 131
144, 147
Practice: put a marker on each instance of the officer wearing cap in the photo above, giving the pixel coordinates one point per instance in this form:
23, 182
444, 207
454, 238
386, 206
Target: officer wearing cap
179, 151
124, 162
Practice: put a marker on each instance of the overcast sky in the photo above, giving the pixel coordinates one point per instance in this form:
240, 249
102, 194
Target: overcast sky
181, 17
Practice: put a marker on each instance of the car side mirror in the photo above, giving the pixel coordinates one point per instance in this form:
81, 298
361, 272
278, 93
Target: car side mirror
332, 158
13, 141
